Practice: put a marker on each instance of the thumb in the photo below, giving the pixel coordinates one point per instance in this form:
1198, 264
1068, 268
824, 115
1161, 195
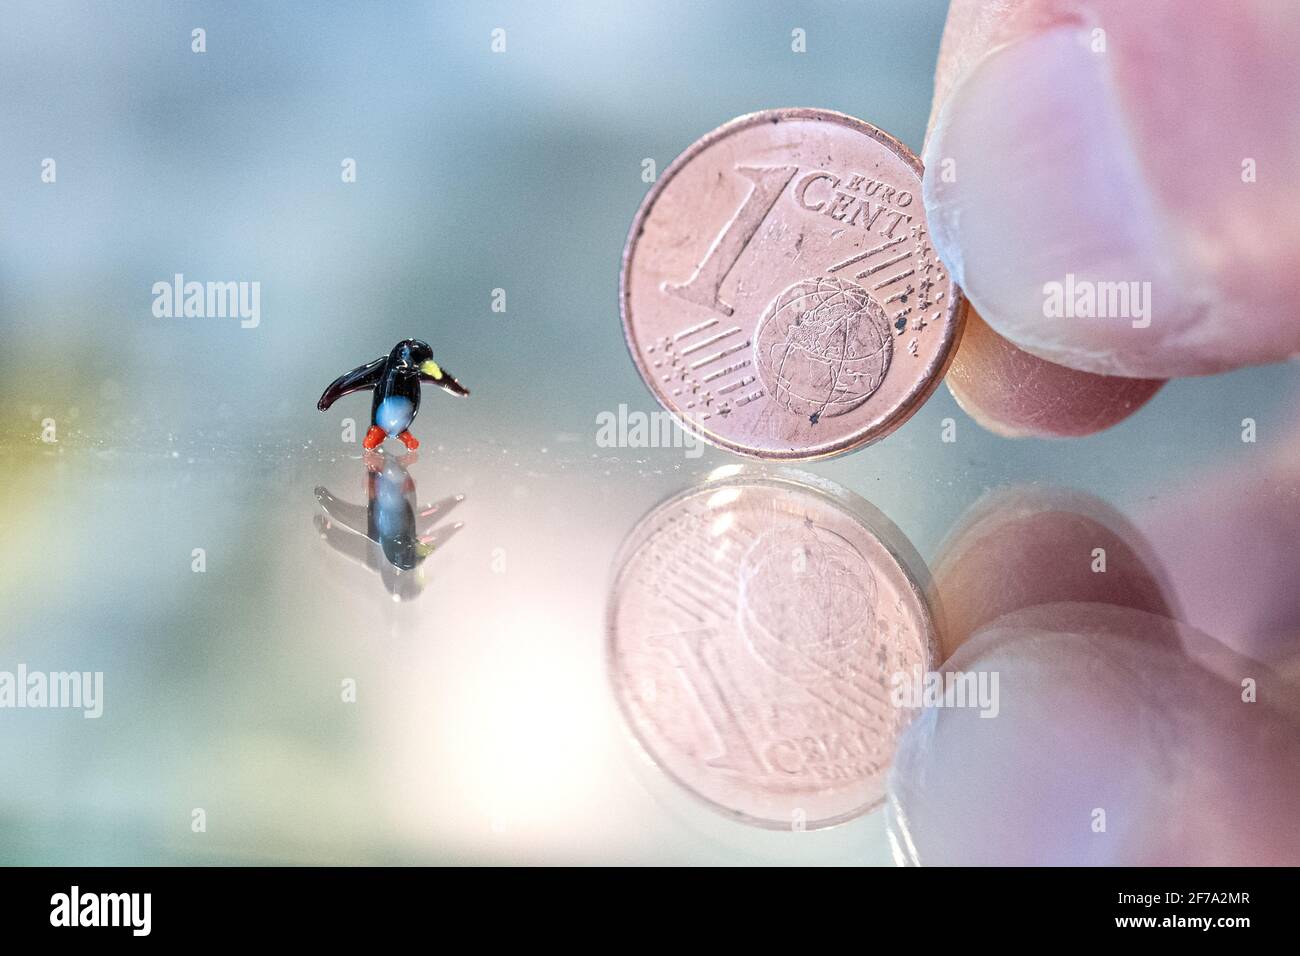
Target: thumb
1142, 151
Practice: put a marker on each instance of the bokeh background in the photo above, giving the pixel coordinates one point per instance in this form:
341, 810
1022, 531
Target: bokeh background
483, 729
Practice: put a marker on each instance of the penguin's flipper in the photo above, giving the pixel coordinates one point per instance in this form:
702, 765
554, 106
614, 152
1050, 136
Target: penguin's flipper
349, 545
364, 376
435, 374
344, 513
436, 538
430, 515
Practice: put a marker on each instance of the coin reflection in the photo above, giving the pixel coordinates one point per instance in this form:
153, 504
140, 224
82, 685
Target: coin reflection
755, 627
392, 534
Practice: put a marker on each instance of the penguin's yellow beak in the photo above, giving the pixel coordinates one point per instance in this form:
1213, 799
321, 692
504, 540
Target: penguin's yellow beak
431, 371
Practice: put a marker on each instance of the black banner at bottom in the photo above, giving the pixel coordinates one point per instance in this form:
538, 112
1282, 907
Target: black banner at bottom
362, 904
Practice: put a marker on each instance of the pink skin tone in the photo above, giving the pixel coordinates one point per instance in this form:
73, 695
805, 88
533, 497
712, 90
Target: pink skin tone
1148, 142
1120, 692
1113, 693
1100, 710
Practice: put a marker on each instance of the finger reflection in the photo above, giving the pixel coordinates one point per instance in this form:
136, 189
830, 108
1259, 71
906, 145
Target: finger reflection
1123, 736
1023, 546
754, 624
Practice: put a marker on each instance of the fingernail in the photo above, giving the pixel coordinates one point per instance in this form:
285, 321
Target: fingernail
1037, 204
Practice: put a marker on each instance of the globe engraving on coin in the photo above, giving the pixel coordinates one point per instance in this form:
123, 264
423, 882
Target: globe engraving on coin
755, 627
779, 292
823, 347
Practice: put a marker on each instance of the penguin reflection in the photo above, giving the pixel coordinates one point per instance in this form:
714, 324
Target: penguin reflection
391, 535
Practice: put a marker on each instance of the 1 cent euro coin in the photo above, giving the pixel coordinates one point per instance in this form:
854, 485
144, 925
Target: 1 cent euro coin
779, 292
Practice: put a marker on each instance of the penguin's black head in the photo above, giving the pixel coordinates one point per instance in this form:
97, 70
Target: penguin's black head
412, 352
416, 354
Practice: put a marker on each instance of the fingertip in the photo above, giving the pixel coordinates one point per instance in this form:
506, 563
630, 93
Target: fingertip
1049, 190
1018, 395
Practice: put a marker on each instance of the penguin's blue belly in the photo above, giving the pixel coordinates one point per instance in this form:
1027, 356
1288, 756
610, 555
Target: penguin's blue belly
394, 414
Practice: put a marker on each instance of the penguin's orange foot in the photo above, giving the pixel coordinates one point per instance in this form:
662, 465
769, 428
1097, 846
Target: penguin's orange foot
409, 440
374, 438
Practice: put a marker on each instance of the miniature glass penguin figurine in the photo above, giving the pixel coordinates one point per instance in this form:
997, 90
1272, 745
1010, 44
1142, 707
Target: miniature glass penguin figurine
396, 379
